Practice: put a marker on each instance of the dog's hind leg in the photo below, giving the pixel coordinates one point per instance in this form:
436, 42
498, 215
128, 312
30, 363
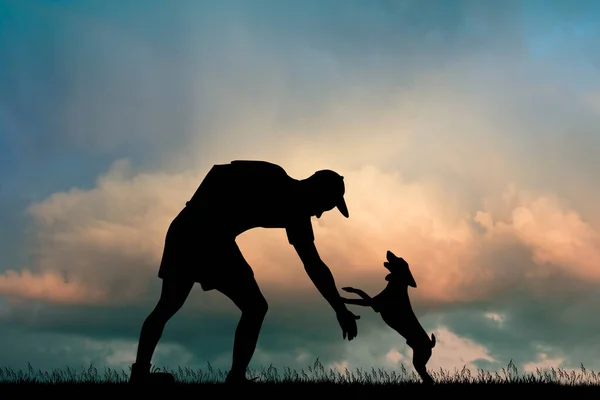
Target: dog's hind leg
420, 358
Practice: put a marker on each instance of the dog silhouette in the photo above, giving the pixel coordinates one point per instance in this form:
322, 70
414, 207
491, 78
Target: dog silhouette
393, 304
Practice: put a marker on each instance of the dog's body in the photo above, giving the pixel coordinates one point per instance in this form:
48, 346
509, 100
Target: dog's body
393, 303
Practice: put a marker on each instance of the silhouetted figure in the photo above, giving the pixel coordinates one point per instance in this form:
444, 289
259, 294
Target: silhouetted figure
394, 306
200, 247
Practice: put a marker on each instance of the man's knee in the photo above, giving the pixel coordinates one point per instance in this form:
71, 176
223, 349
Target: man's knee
256, 308
253, 305
173, 296
162, 312
243, 289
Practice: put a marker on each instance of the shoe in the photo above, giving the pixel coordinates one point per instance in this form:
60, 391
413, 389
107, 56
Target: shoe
140, 374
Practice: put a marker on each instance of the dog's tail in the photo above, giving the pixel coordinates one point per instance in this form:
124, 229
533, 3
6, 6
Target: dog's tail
432, 340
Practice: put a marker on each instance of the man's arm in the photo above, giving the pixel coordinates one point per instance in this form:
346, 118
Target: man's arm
319, 274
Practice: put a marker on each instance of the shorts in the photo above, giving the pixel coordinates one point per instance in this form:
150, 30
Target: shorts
195, 249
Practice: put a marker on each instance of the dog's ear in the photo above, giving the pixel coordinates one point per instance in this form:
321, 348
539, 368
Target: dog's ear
391, 257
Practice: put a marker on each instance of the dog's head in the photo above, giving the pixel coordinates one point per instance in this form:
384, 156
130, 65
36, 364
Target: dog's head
399, 270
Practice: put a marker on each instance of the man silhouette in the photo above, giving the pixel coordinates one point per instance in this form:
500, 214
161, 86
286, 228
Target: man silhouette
200, 247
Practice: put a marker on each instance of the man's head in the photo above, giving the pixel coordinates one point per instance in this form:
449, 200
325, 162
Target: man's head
325, 191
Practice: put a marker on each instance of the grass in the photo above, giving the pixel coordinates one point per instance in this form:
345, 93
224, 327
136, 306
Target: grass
313, 377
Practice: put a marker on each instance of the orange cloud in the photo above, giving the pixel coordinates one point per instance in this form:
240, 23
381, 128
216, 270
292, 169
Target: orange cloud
110, 239
555, 235
451, 218
48, 286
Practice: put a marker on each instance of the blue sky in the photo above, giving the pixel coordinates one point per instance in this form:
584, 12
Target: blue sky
467, 131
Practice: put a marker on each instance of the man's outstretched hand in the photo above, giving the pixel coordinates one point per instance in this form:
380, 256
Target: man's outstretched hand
350, 289
347, 321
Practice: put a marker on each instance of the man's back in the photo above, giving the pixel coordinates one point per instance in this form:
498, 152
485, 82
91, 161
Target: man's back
250, 194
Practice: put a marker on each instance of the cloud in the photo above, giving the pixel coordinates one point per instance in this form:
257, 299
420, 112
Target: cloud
24, 347
115, 232
470, 152
543, 362
458, 258
454, 350
46, 287
103, 244
556, 235
450, 352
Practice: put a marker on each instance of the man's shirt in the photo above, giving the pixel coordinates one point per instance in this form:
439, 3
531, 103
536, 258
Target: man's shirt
244, 195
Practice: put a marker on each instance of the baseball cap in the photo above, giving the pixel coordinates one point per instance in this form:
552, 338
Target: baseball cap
331, 184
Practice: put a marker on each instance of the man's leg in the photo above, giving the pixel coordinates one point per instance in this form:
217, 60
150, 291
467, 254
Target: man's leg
243, 290
173, 295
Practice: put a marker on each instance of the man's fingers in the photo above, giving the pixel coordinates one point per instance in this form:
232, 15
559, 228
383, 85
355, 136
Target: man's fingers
350, 331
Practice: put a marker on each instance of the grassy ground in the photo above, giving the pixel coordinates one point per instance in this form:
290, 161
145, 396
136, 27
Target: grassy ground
314, 379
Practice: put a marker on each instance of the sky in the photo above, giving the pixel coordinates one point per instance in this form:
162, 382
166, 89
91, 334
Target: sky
467, 133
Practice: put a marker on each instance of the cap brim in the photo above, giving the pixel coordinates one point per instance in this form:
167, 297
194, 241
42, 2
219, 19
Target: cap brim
343, 208
411, 280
